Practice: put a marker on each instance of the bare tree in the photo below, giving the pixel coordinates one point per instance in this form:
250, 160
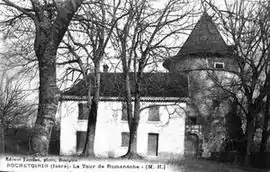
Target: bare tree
247, 24
50, 20
13, 107
87, 42
141, 40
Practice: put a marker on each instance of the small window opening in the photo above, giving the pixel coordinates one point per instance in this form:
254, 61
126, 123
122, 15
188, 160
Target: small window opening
219, 65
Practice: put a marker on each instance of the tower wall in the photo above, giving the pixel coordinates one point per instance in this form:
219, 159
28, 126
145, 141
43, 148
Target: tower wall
204, 89
211, 66
208, 101
185, 64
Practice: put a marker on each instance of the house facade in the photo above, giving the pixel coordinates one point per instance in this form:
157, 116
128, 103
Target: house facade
161, 129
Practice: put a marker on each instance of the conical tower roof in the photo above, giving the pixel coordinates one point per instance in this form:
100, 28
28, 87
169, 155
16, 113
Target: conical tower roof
204, 38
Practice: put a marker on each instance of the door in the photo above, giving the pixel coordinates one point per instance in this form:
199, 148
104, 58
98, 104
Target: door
191, 145
152, 144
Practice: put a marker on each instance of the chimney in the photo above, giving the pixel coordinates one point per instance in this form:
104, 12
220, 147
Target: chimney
105, 68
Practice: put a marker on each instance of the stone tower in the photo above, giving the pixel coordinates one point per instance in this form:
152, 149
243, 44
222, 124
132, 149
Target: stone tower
205, 57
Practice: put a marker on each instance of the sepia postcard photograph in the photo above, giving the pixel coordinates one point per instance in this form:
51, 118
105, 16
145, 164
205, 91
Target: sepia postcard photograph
135, 85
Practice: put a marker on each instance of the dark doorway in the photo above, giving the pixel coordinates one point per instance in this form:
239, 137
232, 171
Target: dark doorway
191, 145
152, 144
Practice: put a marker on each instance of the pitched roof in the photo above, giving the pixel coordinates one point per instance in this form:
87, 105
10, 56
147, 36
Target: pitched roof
152, 85
205, 37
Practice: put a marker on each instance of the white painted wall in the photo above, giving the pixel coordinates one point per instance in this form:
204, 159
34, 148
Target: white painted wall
171, 129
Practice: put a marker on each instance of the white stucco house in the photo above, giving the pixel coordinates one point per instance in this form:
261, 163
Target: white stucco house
161, 130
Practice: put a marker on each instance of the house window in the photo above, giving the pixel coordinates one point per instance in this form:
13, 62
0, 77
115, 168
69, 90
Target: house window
81, 138
124, 111
219, 65
83, 111
152, 144
125, 139
153, 113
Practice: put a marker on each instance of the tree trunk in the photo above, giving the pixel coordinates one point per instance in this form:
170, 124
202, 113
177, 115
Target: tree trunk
88, 149
133, 121
249, 138
2, 137
92, 129
92, 119
132, 152
132, 147
47, 101
265, 133
49, 34
91, 111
